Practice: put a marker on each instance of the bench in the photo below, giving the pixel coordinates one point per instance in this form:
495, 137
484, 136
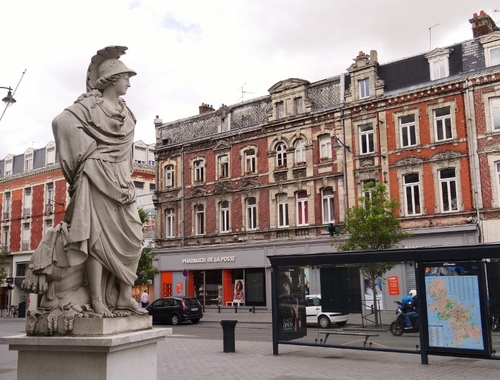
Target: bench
354, 333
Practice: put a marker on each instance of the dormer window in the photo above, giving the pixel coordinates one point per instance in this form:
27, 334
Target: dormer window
8, 166
491, 46
51, 155
298, 106
494, 55
364, 89
28, 161
280, 110
439, 66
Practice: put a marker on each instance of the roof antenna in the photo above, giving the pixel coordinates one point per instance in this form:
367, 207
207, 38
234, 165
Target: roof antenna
430, 36
243, 92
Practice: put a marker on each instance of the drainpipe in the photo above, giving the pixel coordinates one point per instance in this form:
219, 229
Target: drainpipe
183, 235
344, 150
473, 156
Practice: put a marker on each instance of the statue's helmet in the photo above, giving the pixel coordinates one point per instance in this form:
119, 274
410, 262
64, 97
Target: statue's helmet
112, 67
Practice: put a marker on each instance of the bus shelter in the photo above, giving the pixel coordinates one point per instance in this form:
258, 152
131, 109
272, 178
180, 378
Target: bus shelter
458, 291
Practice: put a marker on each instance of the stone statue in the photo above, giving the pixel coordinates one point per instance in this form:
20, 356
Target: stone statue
86, 266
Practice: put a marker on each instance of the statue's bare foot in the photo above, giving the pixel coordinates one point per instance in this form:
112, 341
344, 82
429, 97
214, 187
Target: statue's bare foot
128, 303
101, 309
122, 313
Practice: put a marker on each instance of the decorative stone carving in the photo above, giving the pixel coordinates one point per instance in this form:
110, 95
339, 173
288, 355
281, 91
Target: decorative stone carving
86, 266
409, 161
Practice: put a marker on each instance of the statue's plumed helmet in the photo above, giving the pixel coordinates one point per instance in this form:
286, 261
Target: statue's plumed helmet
112, 67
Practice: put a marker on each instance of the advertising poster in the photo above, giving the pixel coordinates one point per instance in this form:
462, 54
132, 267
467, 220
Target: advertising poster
239, 292
291, 303
369, 289
454, 308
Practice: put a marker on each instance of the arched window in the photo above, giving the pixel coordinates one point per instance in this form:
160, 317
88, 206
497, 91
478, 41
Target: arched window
300, 151
281, 155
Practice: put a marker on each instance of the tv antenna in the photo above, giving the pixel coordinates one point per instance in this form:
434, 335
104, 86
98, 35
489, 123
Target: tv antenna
243, 92
430, 36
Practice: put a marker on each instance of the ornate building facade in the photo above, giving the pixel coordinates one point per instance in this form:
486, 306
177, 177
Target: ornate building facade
268, 176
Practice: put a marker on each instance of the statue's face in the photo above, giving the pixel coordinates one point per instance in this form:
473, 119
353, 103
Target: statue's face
121, 86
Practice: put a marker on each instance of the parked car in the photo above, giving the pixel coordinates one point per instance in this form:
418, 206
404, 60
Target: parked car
175, 310
315, 314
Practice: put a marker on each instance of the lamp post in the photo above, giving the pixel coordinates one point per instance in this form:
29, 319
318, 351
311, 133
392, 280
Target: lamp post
9, 99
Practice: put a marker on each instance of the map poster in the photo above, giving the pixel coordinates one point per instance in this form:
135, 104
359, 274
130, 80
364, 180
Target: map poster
454, 309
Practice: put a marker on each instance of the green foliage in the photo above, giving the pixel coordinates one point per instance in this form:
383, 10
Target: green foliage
143, 215
3, 271
146, 270
371, 226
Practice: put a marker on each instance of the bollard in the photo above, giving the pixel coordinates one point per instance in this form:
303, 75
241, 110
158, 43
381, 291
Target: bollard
228, 335
236, 307
219, 309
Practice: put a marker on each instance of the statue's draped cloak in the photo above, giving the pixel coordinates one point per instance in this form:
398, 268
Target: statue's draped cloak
101, 220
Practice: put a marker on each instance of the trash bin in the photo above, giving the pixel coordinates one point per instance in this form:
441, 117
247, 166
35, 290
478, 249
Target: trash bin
228, 332
21, 312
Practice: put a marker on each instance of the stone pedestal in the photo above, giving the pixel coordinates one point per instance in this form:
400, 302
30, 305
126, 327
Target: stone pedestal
130, 355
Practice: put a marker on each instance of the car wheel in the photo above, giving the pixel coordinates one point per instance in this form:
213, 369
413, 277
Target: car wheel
195, 320
324, 321
396, 329
174, 319
341, 323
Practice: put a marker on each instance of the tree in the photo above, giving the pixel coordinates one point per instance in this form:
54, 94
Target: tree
372, 225
3, 271
146, 270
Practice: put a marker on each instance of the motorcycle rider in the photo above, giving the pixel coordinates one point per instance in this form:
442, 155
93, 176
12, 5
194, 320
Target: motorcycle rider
410, 307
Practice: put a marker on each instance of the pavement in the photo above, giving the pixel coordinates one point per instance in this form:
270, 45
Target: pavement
189, 357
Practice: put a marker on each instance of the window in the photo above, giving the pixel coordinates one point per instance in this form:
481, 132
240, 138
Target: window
199, 219
27, 202
300, 151
280, 110
140, 155
325, 147
251, 206
302, 217
169, 176
51, 155
298, 106
281, 155
139, 187
169, 223
439, 68
26, 237
21, 269
199, 171
224, 216
442, 124
152, 187
5, 239
327, 205
366, 139
250, 161
364, 89
223, 166
494, 55
48, 224
412, 194
282, 210
495, 114
497, 166
367, 186
6, 206
8, 166
448, 188
28, 162
408, 131
49, 197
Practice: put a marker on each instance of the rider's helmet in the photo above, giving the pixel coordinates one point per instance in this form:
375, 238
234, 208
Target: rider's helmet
412, 292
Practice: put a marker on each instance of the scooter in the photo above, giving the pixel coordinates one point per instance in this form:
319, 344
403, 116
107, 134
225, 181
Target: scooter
398, 326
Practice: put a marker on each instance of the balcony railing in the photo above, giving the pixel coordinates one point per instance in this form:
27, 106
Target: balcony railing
26, 212
6, 215
49, 209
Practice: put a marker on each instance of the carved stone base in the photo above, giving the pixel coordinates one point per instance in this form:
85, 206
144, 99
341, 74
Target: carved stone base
91, 326
130, 355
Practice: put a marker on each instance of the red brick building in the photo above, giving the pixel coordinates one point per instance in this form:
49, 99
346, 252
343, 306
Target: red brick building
268, 176
33, 198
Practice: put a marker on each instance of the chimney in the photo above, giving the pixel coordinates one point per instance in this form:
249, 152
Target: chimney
204, 108
158, 122
482, 24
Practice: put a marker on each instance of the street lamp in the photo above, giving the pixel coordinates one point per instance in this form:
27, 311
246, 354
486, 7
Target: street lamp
339, 143
9, 99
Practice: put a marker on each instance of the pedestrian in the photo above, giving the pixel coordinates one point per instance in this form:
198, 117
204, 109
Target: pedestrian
145, 299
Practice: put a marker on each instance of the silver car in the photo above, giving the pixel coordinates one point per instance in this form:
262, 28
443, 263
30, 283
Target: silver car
315, 314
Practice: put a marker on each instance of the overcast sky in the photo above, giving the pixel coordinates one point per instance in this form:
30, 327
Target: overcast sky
192, 52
